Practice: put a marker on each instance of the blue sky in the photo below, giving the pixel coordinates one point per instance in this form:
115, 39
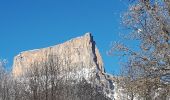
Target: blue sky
33, 24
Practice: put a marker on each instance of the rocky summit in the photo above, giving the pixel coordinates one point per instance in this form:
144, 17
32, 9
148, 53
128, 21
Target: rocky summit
79, 56
80, 51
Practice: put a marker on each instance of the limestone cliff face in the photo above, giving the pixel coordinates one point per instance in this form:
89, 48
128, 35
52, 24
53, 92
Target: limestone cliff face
80, 51
79, 54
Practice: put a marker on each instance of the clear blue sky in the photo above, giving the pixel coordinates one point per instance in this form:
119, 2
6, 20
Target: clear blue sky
33, 24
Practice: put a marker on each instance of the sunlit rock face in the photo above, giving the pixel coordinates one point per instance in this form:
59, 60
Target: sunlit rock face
79, 56
79, 51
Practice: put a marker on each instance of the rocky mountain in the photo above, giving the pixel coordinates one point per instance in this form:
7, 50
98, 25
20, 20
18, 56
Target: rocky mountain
78, 58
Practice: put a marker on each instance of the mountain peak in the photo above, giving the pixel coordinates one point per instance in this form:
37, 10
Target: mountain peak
81, 50
75, 59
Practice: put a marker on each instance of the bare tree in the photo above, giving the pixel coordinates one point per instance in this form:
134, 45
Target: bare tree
5, 82
49, 80
149, 24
